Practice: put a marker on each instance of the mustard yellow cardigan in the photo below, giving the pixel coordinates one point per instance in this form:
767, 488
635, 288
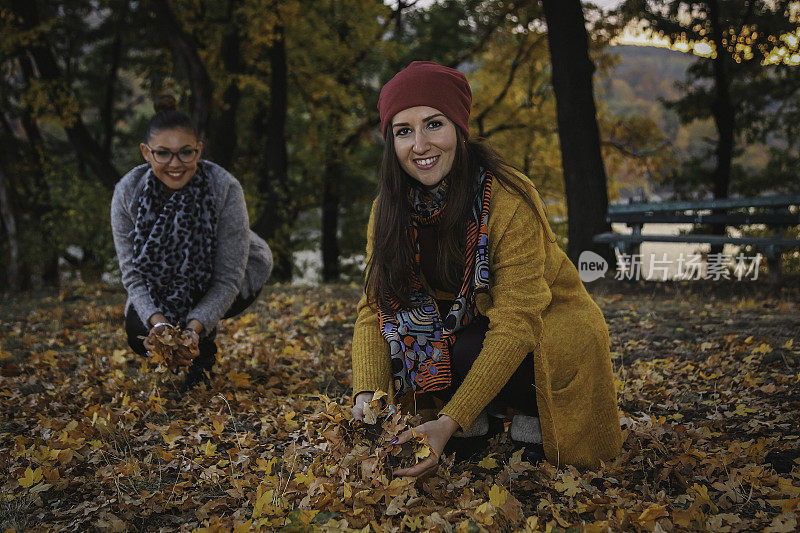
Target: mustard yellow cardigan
536, 303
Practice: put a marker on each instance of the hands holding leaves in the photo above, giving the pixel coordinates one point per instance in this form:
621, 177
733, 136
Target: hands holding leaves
433, 435
437, 433
168, 345
362, 400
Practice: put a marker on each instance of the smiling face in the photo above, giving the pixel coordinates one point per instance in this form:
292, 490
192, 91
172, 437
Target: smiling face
175, 173
425, 143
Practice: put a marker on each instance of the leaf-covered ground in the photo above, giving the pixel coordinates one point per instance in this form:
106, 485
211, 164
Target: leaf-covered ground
92, 438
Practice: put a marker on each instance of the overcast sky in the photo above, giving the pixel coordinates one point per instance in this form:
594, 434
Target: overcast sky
607, 4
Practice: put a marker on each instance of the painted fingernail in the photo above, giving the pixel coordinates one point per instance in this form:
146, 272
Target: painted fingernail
394, 441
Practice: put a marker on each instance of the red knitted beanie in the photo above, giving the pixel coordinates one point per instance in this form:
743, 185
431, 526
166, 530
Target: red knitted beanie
429, 84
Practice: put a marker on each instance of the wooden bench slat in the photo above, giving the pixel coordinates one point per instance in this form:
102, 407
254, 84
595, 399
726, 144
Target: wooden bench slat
709, 239
778, 219
724, 203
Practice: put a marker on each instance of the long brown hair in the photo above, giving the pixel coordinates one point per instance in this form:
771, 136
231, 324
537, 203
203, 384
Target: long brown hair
392, 257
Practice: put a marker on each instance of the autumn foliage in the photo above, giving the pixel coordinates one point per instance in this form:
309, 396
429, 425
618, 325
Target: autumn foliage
169, 347
92, 438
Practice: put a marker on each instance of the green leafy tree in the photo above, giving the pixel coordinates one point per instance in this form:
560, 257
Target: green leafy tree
63, 101
742, 83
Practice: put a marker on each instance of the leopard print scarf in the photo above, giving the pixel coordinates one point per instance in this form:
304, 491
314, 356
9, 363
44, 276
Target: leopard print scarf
420, 338
174, 243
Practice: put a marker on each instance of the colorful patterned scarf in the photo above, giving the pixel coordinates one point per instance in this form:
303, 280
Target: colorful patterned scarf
174, 244
419, 340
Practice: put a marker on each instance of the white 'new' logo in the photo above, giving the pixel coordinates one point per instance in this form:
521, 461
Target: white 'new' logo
591, 266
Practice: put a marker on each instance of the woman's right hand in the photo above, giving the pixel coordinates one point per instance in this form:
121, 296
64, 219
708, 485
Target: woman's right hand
157, 318
157, 323
362, 399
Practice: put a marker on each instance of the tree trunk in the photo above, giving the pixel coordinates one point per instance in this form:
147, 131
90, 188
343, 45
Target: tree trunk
184, 49
723, 110
10, 225
276, 203
35, 191
330, 220
108, 106
223, 139
584, 173
724, 116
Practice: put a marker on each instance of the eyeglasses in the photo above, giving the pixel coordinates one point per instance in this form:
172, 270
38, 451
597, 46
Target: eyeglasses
164, 156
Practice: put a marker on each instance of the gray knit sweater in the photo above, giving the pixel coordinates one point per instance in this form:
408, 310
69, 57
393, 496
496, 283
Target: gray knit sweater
243, 260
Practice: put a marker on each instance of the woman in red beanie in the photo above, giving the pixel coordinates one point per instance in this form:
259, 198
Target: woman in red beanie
468, 300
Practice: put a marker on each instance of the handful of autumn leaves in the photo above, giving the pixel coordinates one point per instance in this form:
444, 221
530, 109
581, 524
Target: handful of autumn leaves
171, 347
364, 449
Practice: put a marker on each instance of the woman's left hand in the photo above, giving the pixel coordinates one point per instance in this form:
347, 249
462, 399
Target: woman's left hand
195, 325
191, 340
439, 432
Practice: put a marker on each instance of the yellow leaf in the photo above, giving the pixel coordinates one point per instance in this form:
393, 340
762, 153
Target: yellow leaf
422, 453
700, 494
596, 527
569, 486
263, 505
651, 513
786, 505
210, 449
497, 495
762, 348
788, 345
785, 485
244, 527
31, 477
517, 464
379, 395
118, 357
488, 462
485, 513
305, 478
307, 515
238, 379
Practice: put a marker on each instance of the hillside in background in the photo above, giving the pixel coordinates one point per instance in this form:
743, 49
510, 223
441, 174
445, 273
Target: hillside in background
642, 77
633, 89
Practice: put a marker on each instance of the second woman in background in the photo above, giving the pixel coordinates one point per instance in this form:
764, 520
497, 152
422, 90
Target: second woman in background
184, 244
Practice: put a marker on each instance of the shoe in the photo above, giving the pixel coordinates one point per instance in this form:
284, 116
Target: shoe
526, 429
531, 453
478, 428
526, 434
195, 375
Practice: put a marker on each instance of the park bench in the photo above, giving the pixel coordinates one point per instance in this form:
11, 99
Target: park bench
776, 212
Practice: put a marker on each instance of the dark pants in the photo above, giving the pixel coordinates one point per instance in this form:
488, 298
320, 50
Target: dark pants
518, 393
136, 331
